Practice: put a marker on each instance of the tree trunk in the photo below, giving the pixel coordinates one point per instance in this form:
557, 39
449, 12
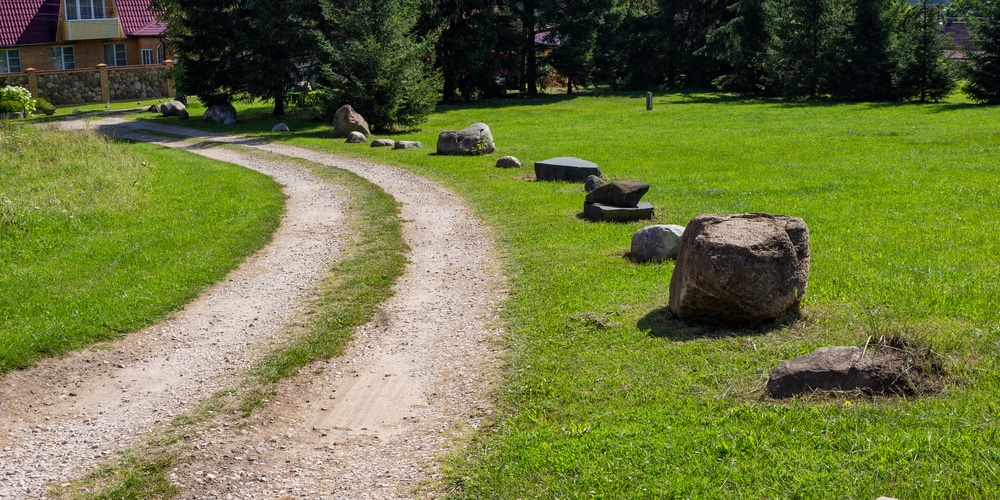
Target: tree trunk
279, 103
531, 56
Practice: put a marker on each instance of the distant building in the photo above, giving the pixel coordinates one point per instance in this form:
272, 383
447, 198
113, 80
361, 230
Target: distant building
961, 41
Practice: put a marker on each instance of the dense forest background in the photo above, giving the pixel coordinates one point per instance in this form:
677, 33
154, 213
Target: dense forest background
397, 58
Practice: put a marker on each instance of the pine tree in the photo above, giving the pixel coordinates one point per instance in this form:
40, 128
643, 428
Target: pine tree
253, 49
739, 43
576, 24
983, 72
372, 58
797, 60
923, 71
866, 68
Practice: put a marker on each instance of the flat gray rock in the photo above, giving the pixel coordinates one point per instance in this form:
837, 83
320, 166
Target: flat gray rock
598, 212
407, 145
382, 143
565, 168
508, 162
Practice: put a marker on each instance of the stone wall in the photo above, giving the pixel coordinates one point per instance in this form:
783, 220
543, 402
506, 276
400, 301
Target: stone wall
137, 83
70, 87
14, 80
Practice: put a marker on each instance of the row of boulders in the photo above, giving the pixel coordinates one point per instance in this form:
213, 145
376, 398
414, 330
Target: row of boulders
223, 113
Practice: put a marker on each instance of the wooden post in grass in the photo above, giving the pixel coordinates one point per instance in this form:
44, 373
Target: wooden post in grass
649, 101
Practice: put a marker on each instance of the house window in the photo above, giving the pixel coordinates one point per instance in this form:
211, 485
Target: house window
151, 57
114, 54
84, 9
63, 58
10, 61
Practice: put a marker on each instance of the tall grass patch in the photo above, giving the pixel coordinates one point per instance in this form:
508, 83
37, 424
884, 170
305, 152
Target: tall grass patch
99, 239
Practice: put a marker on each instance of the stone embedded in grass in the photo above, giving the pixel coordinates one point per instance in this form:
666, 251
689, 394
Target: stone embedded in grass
356, 138
346, 120
220, 113
618, 194
172, 108
565, 168
153, 109
607, 213
740, 270
656, 243
407, 145
474, 140
508, 162
382, 143
890, 367
593, 182
281, 127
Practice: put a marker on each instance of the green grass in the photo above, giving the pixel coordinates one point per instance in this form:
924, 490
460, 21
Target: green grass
608, 396
98, 239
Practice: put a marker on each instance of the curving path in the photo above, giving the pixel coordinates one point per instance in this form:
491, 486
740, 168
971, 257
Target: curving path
370, 424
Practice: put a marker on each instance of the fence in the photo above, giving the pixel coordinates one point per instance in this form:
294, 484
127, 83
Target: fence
101, 84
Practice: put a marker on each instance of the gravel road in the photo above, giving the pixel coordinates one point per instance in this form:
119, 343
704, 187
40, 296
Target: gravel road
372, 423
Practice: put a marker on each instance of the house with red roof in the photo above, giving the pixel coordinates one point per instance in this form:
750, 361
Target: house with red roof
71, 34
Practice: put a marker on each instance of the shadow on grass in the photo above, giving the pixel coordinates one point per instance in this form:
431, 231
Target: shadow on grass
662, 323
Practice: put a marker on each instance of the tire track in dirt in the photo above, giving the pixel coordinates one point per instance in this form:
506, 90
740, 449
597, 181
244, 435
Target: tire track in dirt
374, 422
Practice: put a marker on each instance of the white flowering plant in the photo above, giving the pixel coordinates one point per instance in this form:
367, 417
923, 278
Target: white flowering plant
17, 97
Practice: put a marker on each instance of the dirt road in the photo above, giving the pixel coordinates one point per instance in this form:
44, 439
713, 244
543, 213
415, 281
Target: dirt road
370, 424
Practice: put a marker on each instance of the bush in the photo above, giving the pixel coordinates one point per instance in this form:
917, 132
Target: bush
20, 97
43, 105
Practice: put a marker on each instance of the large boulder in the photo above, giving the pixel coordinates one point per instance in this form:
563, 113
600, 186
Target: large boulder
890, 367
476, 139
172, 108
656, 243
618, 194
220, 113
740, 270
346, 120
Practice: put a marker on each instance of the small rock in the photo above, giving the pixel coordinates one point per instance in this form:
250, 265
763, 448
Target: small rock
381, 143
356, 138
229, 121
593, 182
407, 145
508, 162
656, 243
281, 127
183, 115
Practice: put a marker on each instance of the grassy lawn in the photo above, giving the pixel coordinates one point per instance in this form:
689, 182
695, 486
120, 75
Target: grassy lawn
607, 396
98, 239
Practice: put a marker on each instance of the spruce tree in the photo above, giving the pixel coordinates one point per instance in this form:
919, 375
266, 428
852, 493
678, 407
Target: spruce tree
372, 58
983, 72
797, 59
865, 73
923, 70
253, 49
739, 43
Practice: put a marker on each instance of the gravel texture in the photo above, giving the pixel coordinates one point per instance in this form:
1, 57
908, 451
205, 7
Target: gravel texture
373, 423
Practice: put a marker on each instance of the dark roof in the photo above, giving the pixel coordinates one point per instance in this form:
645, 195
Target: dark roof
959, 34
28, 22
137, 19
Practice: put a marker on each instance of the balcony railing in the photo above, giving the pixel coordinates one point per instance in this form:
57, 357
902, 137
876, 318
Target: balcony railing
93, 29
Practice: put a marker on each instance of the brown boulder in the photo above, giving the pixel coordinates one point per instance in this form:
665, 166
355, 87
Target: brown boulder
346, 120
740, 270
618, 194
